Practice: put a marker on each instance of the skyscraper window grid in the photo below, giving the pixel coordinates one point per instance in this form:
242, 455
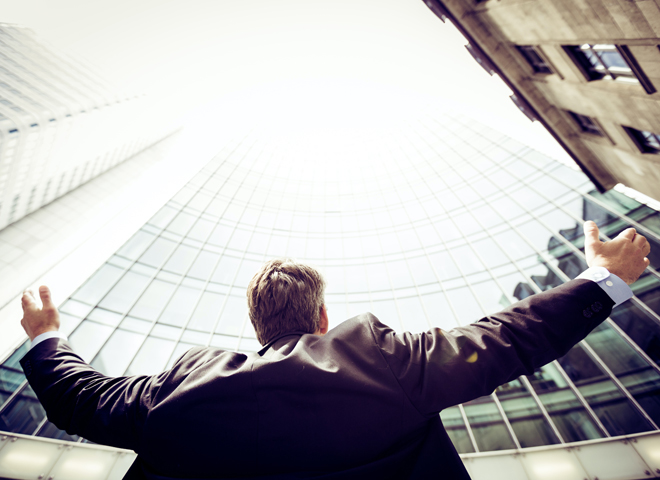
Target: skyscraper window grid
249, 191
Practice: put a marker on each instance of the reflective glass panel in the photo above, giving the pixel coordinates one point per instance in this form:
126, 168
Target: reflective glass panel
455, 427
524, 415
23, 413
565, 409
634, 372
487, 425
614, 410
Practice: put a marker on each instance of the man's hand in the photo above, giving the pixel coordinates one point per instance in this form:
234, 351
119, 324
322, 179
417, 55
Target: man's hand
37, 320
624, 256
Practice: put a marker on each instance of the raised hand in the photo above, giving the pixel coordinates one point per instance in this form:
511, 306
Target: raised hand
37, 320
624, 256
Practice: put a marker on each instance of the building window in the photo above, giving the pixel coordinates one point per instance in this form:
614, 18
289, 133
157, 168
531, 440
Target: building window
600, 62
534, 58
587, 124
647, 142
609, 62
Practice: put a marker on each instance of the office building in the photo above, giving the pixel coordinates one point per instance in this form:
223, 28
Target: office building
589, 71
55, 115
435, 223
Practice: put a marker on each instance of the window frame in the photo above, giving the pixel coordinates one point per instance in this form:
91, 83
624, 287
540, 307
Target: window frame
540, 66
641, 140
587, 124
594, 67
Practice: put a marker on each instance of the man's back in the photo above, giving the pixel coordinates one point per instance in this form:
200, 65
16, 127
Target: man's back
306, 404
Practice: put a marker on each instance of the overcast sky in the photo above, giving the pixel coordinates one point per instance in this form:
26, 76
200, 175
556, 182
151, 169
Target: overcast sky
345, 50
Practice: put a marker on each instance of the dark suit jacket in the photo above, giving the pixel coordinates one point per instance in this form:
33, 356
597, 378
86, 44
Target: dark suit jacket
360, 402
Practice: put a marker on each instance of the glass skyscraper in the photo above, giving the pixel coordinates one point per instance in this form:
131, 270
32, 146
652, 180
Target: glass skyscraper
437, 223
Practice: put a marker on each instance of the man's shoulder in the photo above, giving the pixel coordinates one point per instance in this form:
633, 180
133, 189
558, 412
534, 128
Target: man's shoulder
364, 326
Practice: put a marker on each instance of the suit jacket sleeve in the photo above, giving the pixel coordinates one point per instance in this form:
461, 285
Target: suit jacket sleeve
438, 369
82, 401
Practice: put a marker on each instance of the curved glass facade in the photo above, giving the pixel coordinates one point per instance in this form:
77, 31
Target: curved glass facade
438, 223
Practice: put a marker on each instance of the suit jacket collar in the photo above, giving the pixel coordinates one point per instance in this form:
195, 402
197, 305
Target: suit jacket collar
265, 348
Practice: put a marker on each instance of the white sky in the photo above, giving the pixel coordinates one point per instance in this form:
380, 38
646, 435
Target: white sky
311, 54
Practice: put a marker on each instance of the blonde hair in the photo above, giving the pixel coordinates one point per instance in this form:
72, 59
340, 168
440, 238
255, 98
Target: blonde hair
285, 296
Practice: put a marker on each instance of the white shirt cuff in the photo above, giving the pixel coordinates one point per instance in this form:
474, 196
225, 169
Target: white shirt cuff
616, 288
45, 336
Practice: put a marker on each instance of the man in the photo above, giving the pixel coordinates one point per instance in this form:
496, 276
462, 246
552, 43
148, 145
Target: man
357, 402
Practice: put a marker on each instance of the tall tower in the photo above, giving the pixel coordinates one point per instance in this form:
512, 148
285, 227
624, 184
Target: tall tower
55, 119
435, 223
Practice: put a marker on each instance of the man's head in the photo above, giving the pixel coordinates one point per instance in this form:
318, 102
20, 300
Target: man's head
286, 296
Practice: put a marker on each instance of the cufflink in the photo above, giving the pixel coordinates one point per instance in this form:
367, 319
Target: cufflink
599, 273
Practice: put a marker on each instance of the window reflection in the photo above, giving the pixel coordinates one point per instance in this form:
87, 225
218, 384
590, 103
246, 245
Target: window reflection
158, 252
207, 311
152, 357
524, 415
377, 276
444, 265
640, 378
201, 230
117, 352
414, 316
98, 284
452, 420
399, 274
614, 410
465, 305
356, 278
23, 414
226, 270
181, 259
487, 425
180, 306
565, 409
640, 326
153, 300
233, 314
467, 260
203, 265
11, 373
88, 338
163, 216
491, 296
136, 245
125, 292
181, 223
514, 245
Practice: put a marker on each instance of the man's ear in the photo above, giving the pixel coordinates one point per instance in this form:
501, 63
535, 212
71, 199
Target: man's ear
323, 324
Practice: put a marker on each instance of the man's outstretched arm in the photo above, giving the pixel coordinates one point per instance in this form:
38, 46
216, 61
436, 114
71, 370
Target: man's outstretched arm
439, 368
76, 397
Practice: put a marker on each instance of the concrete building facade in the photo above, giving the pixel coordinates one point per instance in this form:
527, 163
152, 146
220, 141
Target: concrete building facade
589, 71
